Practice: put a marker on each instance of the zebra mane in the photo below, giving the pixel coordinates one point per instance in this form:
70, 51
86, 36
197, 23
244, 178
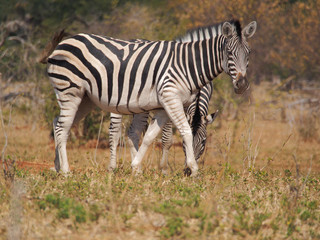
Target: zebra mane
207, 32
237, 24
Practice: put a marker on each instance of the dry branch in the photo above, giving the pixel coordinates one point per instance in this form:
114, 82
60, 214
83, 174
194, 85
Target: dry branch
6, 164
12, 27
304, 101
12, 95
23, 42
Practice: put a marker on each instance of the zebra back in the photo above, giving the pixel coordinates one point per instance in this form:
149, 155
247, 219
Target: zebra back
200, 33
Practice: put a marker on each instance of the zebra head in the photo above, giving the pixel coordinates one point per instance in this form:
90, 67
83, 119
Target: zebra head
236, 52
200, 134
199, 119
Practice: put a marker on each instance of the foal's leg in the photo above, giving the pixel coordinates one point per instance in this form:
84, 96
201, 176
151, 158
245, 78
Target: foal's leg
166, 145
114, 136
138, 125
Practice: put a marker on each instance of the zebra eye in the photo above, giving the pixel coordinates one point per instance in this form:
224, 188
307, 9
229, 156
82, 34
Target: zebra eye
228, 50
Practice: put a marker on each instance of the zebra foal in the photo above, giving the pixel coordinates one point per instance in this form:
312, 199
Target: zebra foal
130, 77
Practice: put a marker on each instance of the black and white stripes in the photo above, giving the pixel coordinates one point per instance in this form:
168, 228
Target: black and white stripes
129, 77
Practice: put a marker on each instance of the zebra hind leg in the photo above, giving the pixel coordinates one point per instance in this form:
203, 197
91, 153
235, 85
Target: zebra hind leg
57, 158
166, 145
68, 109
114, 135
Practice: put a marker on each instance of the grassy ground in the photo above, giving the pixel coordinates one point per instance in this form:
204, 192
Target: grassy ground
259, 179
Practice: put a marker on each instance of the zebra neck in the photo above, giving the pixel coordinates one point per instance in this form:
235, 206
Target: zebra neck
204, 60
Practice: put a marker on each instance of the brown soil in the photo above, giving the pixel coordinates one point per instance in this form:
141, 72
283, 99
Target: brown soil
33, 166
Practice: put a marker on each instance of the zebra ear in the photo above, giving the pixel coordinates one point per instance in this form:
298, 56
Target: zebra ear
227, 29
250, 29
211, 117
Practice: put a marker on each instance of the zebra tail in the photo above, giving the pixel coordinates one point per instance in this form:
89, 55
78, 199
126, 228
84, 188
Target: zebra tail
58, 36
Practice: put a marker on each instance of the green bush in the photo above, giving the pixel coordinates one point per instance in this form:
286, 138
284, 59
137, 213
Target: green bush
91, 125
67, 207
173, 227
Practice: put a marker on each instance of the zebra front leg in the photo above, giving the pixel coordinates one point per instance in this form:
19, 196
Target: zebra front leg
138, 125
159, 120
166, 145
174, 108
114, 135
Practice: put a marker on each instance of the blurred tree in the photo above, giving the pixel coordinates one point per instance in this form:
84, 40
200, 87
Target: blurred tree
286, 43
287, 39
52, 14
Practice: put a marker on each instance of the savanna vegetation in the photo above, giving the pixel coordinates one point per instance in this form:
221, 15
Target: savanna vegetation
260, 173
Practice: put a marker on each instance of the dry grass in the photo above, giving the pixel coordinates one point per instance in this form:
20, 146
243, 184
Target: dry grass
259, 180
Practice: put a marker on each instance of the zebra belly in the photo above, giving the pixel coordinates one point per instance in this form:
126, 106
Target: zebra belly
188, 99
134, 105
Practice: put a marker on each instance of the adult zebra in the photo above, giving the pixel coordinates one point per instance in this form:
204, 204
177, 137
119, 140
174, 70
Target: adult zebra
129, 77
196, 113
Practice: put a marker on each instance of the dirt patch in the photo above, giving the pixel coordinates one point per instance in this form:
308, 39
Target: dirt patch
32, 166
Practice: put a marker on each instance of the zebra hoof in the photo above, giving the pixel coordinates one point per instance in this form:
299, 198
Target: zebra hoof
58, 171
194, 174
111, 169
164, 172
136, 170
137, 173
187, 172
65, 174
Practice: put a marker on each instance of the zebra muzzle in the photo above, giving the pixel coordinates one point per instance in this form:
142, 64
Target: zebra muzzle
241, 84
